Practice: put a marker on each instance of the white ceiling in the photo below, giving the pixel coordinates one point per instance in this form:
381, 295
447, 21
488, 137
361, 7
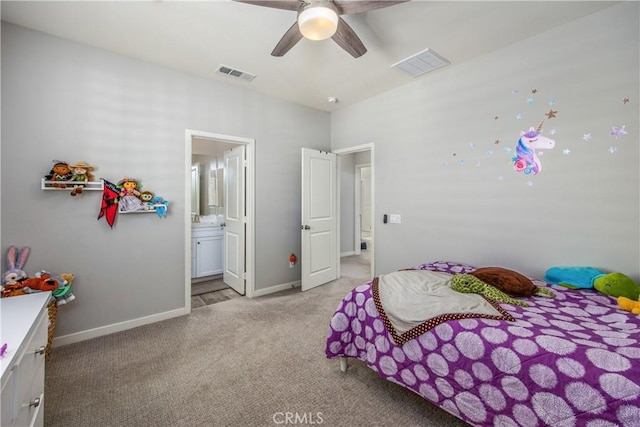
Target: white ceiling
198, 36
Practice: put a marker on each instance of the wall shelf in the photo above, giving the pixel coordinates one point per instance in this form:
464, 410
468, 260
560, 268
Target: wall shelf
152, 209
68, 185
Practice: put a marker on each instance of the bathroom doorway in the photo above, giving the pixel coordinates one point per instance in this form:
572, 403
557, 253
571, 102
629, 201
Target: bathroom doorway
219, 259
356, 211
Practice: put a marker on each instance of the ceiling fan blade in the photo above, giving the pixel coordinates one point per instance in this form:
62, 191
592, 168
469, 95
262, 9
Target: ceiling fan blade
347, 39
276, 4
349, 7
290, 38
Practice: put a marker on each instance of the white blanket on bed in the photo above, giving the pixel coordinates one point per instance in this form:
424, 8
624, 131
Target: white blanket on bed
410, 297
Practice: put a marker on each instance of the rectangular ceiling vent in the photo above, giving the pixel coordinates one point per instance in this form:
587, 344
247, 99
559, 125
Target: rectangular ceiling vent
421, 63
233, 72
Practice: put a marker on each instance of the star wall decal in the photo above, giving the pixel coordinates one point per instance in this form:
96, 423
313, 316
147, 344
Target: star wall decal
518, 116
566, 151
625, 100
496, 142
515, 92
490, 153
586, 136
529, 100
613, 149
496, 117
552, 102
551, 114
552, 131
534, 91
507, 149
618, 131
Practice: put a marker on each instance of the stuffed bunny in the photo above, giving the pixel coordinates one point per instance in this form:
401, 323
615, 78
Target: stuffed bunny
16, 259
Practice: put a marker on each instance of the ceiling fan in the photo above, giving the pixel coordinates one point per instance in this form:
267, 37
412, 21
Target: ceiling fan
321, 19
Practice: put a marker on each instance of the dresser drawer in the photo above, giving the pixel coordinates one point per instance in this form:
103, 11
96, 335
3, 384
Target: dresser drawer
24, 327
28, 375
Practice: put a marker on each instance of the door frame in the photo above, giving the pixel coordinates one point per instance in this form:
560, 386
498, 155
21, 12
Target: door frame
249, 143
349, 150
358, 207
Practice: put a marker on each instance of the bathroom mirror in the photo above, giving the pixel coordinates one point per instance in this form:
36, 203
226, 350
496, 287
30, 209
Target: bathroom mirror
207, 180
206, 185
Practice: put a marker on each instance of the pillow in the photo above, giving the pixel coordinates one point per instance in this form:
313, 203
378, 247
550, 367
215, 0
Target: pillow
510, 282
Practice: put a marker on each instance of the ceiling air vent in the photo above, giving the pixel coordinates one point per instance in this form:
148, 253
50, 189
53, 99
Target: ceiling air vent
233, 72
421, 63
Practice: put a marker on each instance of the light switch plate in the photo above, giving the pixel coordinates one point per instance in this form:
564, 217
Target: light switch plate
395, 219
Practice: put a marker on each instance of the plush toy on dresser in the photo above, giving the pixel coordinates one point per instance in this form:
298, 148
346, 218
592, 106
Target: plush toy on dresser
15, 280
16, 259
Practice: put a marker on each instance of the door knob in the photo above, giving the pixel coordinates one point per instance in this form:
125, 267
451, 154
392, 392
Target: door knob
305, 227
223, 225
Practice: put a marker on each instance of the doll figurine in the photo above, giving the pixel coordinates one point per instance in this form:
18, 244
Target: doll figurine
60, 172
81, 175
129, 195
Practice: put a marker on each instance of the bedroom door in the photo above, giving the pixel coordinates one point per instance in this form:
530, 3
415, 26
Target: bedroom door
319, 227
234, 218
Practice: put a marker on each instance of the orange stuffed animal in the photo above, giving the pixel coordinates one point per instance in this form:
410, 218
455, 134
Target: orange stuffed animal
42, 283
628, 304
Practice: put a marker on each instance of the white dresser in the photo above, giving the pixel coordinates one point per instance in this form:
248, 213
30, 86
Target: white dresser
24, 324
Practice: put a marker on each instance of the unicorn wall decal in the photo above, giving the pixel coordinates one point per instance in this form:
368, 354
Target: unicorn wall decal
526, 160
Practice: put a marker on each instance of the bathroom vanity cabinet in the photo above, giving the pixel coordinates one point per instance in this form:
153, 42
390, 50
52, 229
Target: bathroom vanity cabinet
207, 246
24, 329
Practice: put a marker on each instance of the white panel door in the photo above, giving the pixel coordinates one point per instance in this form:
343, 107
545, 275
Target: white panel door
234, 218
319, 218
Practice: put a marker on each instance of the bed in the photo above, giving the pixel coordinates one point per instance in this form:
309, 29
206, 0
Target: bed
571, 360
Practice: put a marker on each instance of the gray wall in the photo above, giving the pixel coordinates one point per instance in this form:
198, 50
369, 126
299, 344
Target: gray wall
63, 100
581, 209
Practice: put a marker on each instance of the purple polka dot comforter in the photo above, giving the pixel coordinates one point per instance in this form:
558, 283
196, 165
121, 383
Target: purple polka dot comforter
573, 360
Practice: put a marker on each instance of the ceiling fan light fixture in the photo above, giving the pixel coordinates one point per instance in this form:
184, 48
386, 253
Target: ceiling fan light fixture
318, 21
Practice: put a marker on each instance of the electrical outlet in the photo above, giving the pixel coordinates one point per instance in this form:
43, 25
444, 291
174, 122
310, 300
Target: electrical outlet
395, 219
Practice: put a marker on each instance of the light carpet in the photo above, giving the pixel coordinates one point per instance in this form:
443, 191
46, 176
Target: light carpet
241, 362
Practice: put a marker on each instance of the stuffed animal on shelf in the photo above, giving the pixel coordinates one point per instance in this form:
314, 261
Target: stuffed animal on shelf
161, 206
60, 172
468, 284
129, 195
81, 174
628, 304
147, 199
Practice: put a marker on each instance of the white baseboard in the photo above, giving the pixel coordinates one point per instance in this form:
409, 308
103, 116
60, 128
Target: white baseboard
277, 288
134, 323
343, 254
116, 327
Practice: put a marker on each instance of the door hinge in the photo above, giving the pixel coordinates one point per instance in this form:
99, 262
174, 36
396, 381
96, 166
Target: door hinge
245, 163
244, 276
